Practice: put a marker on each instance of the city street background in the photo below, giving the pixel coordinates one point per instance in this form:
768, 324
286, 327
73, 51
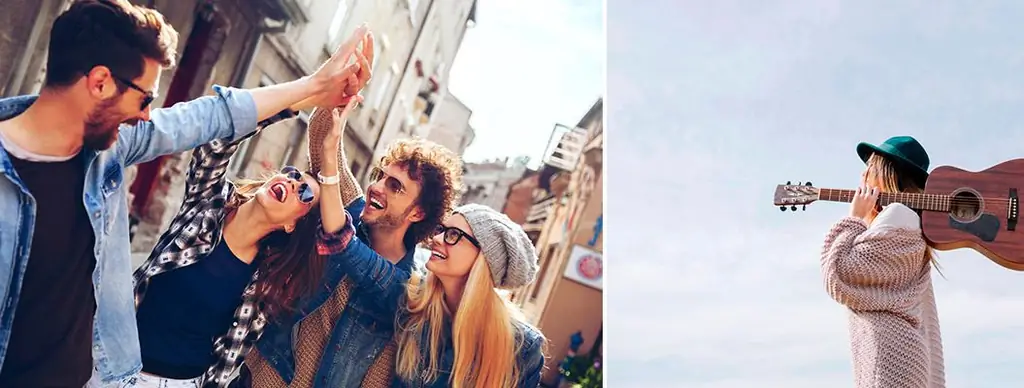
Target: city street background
513, 86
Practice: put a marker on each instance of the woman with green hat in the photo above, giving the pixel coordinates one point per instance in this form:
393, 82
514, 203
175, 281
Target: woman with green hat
878, 265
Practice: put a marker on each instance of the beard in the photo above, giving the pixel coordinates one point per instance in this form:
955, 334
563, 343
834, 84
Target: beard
388, 221
102, 124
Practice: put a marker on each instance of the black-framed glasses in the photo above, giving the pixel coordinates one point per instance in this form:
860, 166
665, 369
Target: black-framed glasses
452, 235
305, 192
147, 96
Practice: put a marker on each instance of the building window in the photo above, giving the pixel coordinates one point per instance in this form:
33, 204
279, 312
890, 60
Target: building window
294, 149
334, 33
412, 10
382, 88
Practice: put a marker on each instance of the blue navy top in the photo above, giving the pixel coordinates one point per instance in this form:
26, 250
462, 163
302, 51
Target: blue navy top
186, 309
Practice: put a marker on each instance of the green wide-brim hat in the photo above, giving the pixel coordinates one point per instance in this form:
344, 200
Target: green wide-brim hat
903, 150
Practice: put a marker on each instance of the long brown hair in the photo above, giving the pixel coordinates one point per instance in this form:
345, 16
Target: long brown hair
895, 179
289, 267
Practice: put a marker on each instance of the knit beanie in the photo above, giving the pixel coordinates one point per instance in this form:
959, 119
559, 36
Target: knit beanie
510, 254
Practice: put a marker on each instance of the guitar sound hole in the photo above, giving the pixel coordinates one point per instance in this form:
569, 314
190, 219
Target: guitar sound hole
965, 207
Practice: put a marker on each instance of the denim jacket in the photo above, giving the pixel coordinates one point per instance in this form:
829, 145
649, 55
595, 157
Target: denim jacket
383, 284
361, 333
229, 114
530, 358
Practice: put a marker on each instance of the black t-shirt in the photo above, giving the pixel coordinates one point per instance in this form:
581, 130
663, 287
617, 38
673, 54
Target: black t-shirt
186, 309
51, 337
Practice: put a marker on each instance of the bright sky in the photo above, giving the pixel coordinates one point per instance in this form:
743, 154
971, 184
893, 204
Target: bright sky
713, 103
526, 66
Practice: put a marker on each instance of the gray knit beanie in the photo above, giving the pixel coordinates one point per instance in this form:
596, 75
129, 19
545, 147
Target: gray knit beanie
510, 253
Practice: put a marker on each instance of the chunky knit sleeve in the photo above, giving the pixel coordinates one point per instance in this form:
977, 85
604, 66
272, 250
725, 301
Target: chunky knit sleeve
875, 268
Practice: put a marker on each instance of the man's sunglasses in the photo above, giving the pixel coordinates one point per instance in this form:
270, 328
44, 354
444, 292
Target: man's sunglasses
305, 192
390, 182
147, 97
452, 235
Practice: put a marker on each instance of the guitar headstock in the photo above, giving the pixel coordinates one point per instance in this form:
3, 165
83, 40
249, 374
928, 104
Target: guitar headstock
790, 195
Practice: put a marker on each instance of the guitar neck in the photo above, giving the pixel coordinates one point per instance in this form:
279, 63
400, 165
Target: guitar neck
930, 202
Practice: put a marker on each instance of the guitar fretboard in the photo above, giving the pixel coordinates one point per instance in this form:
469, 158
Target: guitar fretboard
931, 202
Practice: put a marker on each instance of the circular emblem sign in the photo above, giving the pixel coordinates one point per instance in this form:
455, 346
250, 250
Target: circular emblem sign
589, 267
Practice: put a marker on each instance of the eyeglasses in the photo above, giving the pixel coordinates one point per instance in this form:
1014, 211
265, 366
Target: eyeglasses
390, 182
147, 97
452, 235
305, 192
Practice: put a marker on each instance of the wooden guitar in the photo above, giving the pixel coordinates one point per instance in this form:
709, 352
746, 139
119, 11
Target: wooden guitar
959, 209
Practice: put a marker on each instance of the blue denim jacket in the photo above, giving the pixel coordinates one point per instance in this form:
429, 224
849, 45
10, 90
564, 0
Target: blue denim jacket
231, 113
530, 358
383, 285
361, 333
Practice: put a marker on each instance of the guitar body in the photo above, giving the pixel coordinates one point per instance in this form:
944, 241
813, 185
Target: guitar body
983, 215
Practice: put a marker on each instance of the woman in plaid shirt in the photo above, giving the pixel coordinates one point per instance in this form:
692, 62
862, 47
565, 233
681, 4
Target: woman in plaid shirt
235, 256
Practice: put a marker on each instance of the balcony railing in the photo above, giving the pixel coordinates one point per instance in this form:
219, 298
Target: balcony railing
539, 212
565, 153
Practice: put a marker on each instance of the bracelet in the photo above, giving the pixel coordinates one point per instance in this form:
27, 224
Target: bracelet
328, 180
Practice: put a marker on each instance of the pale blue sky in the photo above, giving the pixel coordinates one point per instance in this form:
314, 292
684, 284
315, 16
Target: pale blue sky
713, 103
526, 66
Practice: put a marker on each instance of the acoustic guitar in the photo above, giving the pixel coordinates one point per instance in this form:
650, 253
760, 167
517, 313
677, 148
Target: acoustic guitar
959, 209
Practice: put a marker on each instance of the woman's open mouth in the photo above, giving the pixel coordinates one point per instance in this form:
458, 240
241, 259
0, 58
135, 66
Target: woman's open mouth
279, 191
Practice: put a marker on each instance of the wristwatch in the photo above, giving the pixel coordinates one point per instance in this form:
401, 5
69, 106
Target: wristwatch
328, 180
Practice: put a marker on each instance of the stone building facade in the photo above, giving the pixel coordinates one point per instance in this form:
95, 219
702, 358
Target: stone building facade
488, 183
566, 297
450, 126
422, 81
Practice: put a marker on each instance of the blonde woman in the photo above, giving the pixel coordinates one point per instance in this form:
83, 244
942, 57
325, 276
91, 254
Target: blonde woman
454, 328
878, 265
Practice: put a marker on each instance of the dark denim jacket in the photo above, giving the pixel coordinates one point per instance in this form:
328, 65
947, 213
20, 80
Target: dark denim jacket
361, 332
382, 284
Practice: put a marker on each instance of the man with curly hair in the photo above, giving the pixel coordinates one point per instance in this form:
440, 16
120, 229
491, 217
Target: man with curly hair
341, 338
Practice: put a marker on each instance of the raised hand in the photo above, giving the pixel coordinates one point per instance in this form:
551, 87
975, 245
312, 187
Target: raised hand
334, 78
364, 59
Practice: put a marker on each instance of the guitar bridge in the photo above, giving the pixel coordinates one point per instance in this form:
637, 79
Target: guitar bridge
1011, 210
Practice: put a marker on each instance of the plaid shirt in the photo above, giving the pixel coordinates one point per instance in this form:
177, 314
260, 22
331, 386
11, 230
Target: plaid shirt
196, 230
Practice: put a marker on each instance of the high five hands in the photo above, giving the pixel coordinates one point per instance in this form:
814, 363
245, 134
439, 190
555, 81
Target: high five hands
345, 74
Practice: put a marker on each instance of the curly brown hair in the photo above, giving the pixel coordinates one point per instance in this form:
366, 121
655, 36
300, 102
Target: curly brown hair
438, 171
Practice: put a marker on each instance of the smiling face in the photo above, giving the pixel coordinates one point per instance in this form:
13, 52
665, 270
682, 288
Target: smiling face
454, 248
391, 199
288, 196
117, 101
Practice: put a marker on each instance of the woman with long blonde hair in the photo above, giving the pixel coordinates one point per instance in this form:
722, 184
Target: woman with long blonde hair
454, 327
878, 265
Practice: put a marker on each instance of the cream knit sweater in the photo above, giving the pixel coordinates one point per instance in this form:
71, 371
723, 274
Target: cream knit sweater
881, 274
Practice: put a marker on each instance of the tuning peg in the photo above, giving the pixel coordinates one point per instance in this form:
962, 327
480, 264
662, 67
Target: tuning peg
783, 208
808, 184
788, 183
793, 208
805, 207
798, 183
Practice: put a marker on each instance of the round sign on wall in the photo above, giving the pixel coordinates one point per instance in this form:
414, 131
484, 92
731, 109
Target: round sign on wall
589, 267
